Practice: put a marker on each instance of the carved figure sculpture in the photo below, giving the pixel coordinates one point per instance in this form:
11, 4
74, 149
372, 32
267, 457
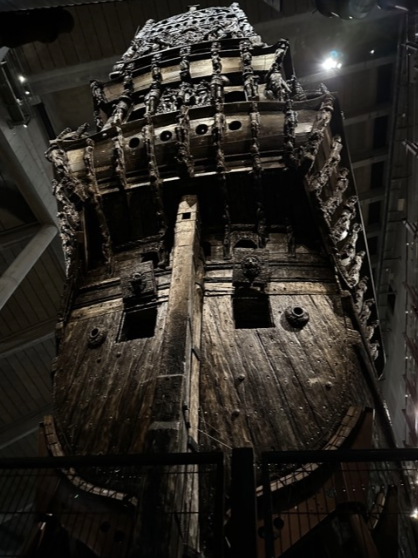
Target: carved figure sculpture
98, 94
297, 91
168, 100
348, 250
366, 311
374, 349
152, 98
360, 292
289, 132
330, 205
369, 329
321, 178
340, 230
71, 135
353, 273
203, 91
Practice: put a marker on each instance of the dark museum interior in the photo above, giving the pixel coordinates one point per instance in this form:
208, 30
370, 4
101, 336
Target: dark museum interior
208, 278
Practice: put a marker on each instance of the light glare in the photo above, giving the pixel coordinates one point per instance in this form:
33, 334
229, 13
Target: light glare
22, 79
330, 64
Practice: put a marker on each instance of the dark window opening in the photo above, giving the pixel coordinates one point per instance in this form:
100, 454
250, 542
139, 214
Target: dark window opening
374, 212
245, 243
372, 243
139, 324
150, 257
380, 132
251, 310
377, 175
235, 96
94, 239
207, 249
186, 215
391, 299
384, 84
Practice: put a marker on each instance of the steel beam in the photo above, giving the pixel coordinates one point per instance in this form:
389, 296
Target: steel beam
17, 271
27, 338
12, 150
320, 77
382, 110
23, 427
71, 76
370, 157
372, 195
8, 239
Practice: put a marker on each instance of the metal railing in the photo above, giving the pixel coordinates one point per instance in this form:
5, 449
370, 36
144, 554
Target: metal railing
111, 506
362, 501
318, 503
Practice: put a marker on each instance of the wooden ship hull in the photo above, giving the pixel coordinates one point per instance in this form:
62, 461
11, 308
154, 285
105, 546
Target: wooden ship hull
217, 291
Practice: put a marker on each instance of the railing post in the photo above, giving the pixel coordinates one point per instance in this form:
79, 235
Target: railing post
267, 510
243, 504
219, 507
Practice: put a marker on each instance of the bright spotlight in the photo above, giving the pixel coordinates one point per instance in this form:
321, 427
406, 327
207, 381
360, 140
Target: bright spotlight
329, 64
22, 79
332, 61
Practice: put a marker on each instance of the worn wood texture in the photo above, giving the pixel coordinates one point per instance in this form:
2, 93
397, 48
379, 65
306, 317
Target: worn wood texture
217, 295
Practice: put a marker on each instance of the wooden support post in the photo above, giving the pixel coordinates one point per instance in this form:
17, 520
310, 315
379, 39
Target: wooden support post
170, 494
363, 536
243, 504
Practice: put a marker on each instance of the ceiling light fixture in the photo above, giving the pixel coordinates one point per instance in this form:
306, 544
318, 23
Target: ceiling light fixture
22, 79
332, 61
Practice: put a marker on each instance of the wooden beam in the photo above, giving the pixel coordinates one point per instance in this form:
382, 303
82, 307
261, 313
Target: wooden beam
170, 427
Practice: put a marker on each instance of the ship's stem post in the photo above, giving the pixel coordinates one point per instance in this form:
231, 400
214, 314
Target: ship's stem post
174, 492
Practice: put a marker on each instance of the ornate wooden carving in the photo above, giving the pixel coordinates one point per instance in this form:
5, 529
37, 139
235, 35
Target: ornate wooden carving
276, 86
322, 119
234, 328
330, 205
250, 269
321, 178
138, 284
184, 157
69, 223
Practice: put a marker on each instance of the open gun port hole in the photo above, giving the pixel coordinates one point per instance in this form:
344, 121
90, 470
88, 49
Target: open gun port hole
134, 142
201, 129
234, 125
166, 135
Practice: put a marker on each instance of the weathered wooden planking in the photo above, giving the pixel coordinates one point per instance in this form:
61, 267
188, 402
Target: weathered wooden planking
276, 387
103, 395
